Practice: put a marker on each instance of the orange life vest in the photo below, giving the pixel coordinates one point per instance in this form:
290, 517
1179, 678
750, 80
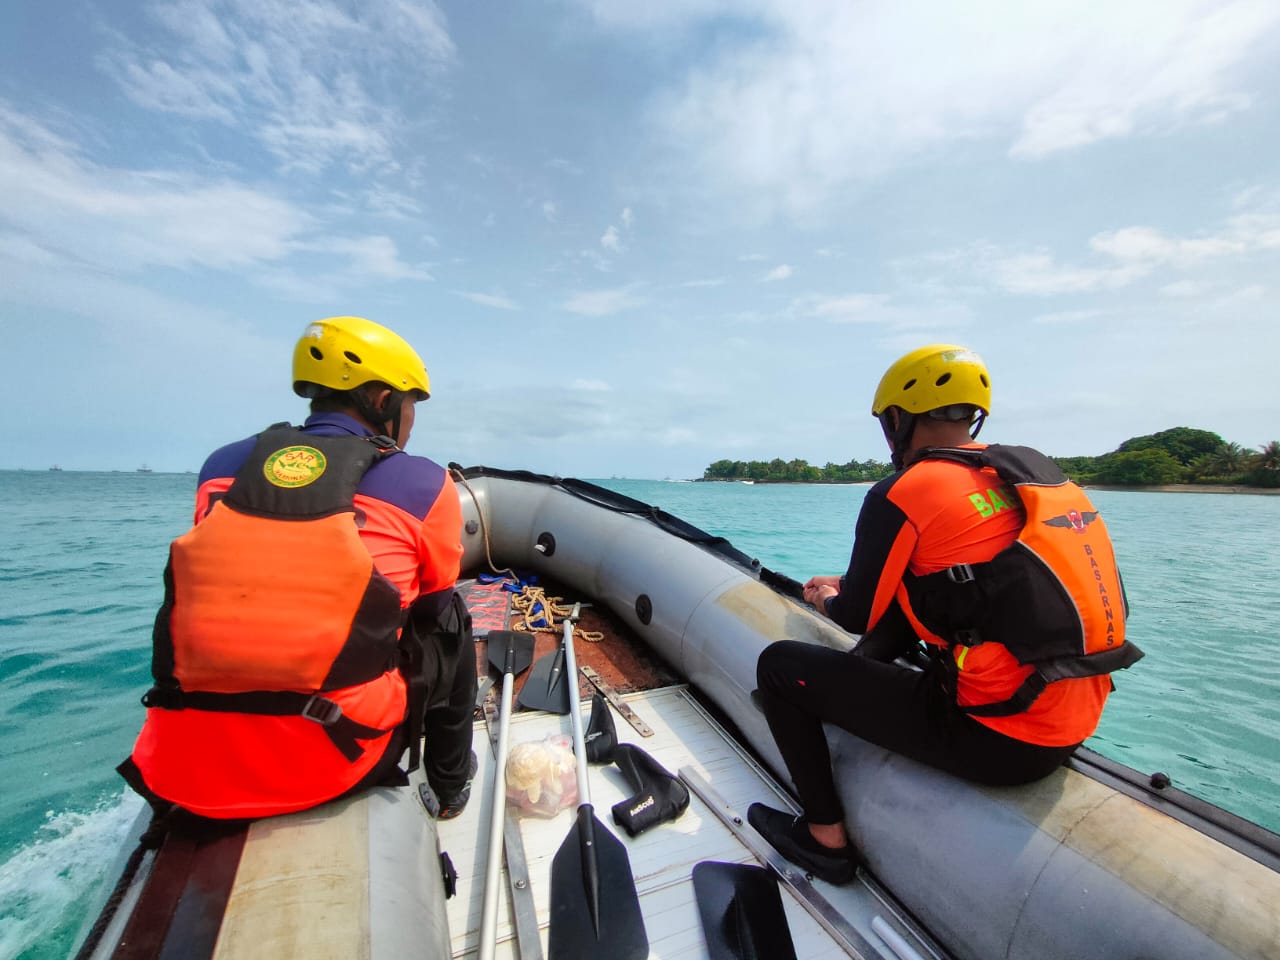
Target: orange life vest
276, 653
1053, 598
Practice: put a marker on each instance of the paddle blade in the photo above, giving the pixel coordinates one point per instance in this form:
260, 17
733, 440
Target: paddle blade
546, 687
741, 910
595, 909
512, 646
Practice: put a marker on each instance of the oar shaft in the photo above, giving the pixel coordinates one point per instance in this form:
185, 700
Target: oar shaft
489, 912
575, 713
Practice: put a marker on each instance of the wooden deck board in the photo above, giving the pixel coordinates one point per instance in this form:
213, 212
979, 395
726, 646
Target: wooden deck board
661, 858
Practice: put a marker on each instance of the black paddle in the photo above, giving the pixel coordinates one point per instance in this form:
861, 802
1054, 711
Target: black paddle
595, 909
511, 652
547, 687
741, 910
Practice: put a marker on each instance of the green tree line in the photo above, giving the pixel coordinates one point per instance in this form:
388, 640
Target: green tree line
797, 471
1178, 455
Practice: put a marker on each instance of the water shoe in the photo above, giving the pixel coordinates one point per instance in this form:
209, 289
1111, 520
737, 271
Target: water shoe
790, 836
449, 806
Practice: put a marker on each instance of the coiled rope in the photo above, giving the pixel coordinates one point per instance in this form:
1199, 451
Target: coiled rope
530, 596
538, 614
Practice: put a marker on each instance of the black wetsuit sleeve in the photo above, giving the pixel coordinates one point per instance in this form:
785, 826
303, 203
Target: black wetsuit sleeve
892, 637
879, 524
427, 611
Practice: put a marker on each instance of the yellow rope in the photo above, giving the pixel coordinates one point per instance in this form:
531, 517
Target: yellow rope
525, 600
484, 527
530, 597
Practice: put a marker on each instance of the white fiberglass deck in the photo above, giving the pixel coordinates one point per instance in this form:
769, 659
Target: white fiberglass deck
661, 858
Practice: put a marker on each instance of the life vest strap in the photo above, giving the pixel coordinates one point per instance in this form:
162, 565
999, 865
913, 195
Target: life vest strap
342, 730
1021, 700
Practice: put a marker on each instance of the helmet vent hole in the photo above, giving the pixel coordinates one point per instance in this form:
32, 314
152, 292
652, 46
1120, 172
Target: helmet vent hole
983, 378
909, 384
316, 354
354, 358
942, 379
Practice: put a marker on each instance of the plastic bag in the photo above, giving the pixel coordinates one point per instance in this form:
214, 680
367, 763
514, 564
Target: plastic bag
542, 776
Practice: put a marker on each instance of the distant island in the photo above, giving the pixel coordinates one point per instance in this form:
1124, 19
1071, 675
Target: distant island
1179, 456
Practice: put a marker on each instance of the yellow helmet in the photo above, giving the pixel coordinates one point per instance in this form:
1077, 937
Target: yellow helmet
343, 353
932, 377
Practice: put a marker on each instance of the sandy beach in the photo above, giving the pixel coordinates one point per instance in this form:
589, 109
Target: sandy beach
1189, 488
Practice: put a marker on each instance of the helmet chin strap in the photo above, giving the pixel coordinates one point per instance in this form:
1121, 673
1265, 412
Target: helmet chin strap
378, 418
900, 437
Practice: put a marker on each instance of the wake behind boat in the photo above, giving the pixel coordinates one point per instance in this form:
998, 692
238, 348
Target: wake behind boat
1097, 860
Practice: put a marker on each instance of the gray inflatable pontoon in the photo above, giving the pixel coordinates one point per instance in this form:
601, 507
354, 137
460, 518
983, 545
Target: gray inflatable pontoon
1093, 861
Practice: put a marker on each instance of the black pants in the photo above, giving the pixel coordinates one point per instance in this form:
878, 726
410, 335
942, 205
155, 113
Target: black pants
904, 710
449, 666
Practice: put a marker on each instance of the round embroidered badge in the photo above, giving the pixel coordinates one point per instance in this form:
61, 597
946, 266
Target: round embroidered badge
294, 466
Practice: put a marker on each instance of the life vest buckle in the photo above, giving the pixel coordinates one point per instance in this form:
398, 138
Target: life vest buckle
166, 698
322, 710
960, 573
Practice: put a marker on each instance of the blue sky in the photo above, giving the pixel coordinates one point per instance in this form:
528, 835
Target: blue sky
634, 238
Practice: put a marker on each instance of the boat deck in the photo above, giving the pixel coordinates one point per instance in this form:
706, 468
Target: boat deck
684, 735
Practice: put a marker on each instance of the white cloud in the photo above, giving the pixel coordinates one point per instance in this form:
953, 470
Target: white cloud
612, 238
489, 300
1180, 73
596, 260
1145, 245
381, 199
712, 282
1038, 273
591, 386
1129, 254
370, 257
23, 250
295, 76
602, 303
660, 14
1249, 293
550, 212
782, 271
66, 204
821, 95
158, 86
1243, 233
559, 163
852, 308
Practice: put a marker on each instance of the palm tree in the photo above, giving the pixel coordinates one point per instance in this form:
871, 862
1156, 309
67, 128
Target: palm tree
1269, 457
1202, 467
1228, 460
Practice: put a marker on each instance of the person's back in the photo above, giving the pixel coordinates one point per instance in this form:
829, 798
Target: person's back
279, 660
1008, 694
955, 514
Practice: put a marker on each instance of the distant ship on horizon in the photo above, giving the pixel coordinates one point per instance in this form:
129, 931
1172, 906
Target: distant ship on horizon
144, 469
55, 467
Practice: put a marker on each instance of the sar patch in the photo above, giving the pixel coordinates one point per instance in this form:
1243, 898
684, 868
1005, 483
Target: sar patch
294, 466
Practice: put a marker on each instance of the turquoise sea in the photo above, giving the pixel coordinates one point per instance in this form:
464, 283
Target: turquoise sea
81, 556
